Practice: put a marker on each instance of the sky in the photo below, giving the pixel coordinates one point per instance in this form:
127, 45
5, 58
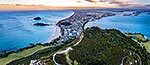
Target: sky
101, 3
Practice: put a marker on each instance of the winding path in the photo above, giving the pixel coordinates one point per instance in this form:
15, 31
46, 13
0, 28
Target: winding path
122, 62
81, 37
61, 52
140, 59
68, 49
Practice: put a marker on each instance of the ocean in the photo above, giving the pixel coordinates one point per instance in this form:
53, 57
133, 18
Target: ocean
17, 29
126, 24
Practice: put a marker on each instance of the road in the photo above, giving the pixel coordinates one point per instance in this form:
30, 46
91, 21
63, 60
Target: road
67, 49
122, 62
61, 52
81, 37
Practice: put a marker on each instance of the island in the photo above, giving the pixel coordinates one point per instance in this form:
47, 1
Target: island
37, 18
41, 24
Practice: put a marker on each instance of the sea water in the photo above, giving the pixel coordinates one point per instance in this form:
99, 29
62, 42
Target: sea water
17, 29
126, 24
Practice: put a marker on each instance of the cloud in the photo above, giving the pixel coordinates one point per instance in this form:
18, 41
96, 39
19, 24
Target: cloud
117, 2
91, 1
110, 1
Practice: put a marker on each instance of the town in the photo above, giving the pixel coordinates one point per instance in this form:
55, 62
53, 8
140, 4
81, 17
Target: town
73, 26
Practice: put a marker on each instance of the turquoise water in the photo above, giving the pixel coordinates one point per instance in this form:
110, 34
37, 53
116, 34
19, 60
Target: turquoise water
17, 29
129, 24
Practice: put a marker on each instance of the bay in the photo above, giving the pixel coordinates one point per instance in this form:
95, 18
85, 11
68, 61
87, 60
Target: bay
17, 29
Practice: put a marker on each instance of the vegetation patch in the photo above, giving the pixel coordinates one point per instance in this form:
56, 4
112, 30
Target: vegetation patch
98, 47
105, 47
21, 54
147, 46
61, 58
140, 38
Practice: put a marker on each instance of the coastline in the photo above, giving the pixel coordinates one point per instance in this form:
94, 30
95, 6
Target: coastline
73, 16
55, 35
58, 29
57, 32
73, 25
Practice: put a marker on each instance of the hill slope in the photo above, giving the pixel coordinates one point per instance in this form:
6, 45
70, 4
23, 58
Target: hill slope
108, 47
98, 47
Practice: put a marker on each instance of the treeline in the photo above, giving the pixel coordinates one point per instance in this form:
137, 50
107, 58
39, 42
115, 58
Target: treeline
107, 47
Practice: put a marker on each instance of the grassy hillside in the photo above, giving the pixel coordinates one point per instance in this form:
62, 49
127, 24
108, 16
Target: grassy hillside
108, 47
45, 55
21, 54
141, 39
147, 46
98, 47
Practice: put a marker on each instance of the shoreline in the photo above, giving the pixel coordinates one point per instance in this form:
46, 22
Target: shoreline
83, 20
72, 26
78, 18
57, 32
55, 35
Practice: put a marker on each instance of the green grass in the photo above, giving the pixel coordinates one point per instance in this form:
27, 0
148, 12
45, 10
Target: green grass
147, 46
45, 55
137, 36
141, 39
18, 55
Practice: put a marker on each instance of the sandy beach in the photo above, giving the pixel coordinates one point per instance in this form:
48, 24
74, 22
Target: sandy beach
55, 35
57, 32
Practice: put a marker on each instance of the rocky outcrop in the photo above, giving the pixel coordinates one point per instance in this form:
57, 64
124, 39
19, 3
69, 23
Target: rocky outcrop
41, 24
37, 18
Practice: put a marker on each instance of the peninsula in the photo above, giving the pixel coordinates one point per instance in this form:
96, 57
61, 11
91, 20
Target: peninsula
75, 32
75, 40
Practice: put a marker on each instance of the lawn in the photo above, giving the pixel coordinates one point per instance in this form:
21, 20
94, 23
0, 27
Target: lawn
142, 39
24, 53
147, 46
